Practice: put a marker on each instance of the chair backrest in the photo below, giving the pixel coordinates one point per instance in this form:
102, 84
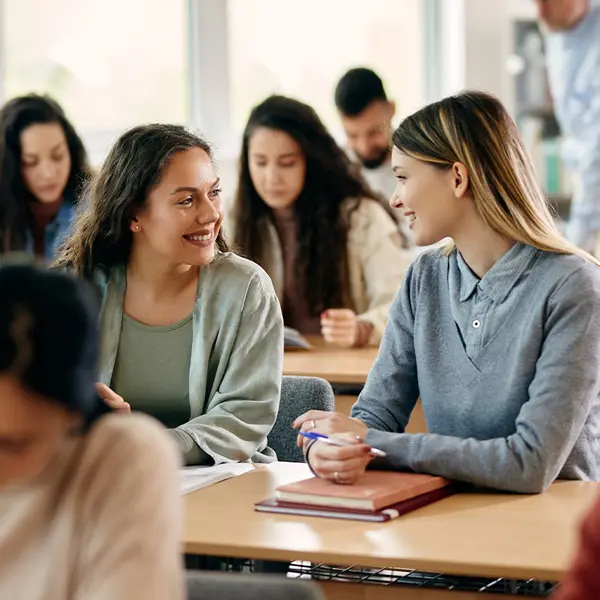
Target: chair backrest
298, 394
203, 585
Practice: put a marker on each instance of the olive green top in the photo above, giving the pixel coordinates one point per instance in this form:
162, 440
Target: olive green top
152, 369
236, 361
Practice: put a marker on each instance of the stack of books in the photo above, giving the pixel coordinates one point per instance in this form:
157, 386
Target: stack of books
377, 496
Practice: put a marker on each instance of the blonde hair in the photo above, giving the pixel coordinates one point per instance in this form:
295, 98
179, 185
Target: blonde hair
473, 128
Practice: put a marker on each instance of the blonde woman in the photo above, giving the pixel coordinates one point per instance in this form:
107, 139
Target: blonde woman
499, 332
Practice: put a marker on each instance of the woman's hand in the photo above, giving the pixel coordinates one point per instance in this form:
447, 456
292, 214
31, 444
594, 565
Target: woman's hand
329, 423
112, 399
339, 326
340, 464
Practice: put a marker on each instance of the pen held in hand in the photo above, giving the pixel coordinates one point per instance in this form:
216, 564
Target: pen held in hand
337, 442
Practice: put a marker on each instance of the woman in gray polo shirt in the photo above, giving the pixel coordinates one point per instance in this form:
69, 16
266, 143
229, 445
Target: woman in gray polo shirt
498, 332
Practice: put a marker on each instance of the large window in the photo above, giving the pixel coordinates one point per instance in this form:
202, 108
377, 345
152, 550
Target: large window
110, 63
302, 48
116, 63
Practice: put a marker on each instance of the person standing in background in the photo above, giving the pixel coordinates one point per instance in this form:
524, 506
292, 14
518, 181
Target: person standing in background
43, 163
572, 36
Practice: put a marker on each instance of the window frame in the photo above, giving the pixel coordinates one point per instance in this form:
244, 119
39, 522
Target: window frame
210, 87
208, 69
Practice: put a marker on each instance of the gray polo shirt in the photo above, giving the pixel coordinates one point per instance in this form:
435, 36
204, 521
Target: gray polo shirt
507, 367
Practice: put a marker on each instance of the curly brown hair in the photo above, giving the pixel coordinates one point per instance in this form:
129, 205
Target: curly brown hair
133, 167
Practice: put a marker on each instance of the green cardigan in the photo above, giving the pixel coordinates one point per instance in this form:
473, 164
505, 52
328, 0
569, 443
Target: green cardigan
236, 361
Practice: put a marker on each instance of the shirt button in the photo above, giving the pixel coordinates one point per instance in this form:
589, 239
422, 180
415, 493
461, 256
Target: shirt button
476, 324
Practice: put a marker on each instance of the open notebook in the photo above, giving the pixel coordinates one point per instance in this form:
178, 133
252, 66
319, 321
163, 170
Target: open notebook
196, 478
293, 339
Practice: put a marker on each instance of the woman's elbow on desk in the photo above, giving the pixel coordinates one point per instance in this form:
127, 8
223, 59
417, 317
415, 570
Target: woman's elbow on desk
531, 485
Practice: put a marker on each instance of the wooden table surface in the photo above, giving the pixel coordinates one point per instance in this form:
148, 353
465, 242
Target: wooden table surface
490, 535
342, 366
336, 365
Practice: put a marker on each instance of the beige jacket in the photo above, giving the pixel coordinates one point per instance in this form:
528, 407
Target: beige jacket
376, 262
102, 522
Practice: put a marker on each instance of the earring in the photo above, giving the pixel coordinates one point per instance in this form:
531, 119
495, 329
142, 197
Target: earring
136, 228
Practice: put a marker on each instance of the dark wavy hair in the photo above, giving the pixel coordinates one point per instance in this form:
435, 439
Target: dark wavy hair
331, 179
17, 115
133, 168
49, 337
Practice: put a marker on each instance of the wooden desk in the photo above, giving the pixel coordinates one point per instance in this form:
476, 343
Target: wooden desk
336, 365
416, 423
490, 535
339, 365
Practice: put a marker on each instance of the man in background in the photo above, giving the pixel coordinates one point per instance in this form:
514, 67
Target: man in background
572, 35
366, 115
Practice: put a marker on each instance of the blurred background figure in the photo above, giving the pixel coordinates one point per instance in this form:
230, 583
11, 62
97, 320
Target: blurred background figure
334, 254
42, 166
366, 114
68, 471
572, 38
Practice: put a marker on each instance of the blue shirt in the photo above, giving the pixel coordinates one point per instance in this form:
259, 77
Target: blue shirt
511, 404
573, 60
55, 233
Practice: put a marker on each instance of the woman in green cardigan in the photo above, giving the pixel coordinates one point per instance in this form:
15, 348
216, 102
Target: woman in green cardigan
191, 333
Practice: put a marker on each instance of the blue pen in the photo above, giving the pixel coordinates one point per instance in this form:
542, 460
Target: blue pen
337, 442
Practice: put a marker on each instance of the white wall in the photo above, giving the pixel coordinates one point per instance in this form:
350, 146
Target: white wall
479, 42
486, 39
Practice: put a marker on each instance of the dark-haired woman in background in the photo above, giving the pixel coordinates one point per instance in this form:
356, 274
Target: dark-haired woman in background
191, 333
42, 165
68, 474
334, 254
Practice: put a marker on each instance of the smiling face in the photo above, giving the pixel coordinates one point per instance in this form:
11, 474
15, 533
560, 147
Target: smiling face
429, 197
31, 431
277, 167
45, 161
182, 217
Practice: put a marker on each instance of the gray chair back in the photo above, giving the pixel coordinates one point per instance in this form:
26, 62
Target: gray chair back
298, 394
202, 585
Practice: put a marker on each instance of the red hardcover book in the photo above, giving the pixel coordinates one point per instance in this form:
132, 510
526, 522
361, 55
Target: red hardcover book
377, 496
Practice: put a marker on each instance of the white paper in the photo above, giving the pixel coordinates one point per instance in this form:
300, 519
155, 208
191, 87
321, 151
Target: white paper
294, 339
196, 478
